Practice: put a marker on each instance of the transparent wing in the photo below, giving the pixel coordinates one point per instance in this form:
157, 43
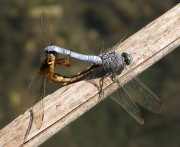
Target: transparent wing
143, 95
45, 41
33, 94
122, 98
38, 113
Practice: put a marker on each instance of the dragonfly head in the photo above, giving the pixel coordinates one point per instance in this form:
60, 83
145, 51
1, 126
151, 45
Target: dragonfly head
51, 57
127, 58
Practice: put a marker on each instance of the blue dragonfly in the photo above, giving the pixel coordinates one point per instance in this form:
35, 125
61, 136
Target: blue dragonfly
111, 64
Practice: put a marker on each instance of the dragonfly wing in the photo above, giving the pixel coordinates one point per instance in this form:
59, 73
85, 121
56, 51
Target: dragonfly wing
29, 96
122, 98
143, 95
45, 40
33, 94
38, 111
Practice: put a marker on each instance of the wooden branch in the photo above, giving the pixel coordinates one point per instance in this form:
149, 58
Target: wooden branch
66, 104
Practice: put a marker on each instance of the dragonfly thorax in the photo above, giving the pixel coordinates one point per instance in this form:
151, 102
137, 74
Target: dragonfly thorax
113, 63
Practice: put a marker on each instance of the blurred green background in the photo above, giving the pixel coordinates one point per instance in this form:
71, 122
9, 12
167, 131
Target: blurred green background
83, 26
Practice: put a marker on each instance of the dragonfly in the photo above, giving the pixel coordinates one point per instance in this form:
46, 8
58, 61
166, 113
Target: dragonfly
111, 64
35, 92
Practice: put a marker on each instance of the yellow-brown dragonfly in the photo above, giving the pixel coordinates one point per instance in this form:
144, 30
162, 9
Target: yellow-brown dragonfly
36, 90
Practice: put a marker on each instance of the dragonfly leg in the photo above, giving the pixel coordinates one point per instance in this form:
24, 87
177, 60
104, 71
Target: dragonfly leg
66, 61
101, 83
98, 86
113, 78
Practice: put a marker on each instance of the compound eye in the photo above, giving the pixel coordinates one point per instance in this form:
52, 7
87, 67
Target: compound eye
128, 58
50, 58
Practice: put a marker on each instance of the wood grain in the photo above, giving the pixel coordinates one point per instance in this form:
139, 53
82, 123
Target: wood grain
147, 46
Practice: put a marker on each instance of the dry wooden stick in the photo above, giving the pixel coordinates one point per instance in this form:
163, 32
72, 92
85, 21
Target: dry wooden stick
66, 104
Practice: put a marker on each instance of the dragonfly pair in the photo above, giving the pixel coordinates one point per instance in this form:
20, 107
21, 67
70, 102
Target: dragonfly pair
107, 64
111, 64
